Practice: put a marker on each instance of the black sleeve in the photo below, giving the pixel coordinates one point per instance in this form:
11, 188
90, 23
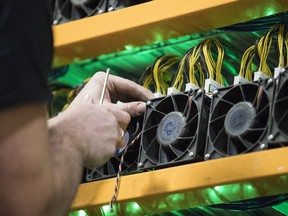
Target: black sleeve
26, 47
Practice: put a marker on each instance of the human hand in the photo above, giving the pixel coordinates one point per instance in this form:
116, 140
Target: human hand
90, 130
118, 89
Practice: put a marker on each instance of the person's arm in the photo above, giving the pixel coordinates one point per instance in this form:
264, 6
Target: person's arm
41, 166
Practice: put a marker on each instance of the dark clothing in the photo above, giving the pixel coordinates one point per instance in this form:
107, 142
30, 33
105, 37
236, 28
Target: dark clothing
26, 47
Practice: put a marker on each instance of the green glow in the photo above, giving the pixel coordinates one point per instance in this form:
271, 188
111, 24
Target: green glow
135, 206
129, 47
283, 208
199, 199
270, 11
78, 213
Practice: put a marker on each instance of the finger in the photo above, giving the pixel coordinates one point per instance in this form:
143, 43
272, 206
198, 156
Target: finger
121, 143
133, 108
122, 117
123, 89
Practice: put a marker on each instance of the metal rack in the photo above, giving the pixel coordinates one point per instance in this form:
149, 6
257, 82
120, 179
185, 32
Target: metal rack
265, 173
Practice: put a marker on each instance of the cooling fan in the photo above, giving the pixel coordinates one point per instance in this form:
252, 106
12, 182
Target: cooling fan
110, 169
239, 119
68, 10
279, 127
174, 130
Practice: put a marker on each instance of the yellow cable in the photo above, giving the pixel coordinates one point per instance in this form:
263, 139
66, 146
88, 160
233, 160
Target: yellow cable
214, 68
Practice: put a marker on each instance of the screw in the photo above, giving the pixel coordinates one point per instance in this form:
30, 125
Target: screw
269, 81
215, 92
140, 165
262, 146
199, 91
100, 11
110, 9
282, 70
149, 103
55, 22
270, 137
207, 156
191, 154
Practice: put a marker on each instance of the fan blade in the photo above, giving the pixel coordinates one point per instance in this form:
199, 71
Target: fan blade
262, 111
231, 147
86, 10
193, 119
66, 4
151, 129
152, 151
283, 99
284, 117
219, 118
111, 168
220, 140
162, 156
245, 142
176, 151
75, 13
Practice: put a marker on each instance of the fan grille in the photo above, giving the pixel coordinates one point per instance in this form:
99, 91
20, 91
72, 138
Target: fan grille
171, 130
239, 119
280, 110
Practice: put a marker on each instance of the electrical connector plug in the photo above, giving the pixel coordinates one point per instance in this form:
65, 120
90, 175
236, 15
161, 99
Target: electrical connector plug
239, 79
172, 90
278, 71
211, 85
259, 75
191, 86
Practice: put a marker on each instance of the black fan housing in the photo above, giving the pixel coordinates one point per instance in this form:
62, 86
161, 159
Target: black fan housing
110, 169
69, 10
239, 119
174, 130
278, 134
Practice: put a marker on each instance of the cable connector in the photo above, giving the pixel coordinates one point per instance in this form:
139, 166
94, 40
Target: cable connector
158, 95
239, 79
191, 86
278, 71
172, 90
259, 75
211, 85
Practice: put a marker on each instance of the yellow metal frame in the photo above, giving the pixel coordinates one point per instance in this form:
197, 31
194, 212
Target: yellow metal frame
151, 22
266, 171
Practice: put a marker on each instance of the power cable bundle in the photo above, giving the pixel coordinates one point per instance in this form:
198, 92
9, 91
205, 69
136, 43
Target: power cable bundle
158, 76
257, 55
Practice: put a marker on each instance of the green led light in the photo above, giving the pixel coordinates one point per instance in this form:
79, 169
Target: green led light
78, 213
270, 11
129, 47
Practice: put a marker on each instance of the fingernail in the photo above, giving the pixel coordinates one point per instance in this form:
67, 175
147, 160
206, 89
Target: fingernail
141, 107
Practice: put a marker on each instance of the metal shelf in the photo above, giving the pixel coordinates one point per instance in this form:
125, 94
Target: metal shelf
151, 22
254, 174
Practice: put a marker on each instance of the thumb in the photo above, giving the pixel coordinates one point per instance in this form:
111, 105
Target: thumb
135, 108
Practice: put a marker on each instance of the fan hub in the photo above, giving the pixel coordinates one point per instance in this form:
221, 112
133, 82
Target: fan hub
239, 119
170, 128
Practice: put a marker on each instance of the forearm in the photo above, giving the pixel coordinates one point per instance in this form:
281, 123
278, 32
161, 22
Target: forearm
67, 160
